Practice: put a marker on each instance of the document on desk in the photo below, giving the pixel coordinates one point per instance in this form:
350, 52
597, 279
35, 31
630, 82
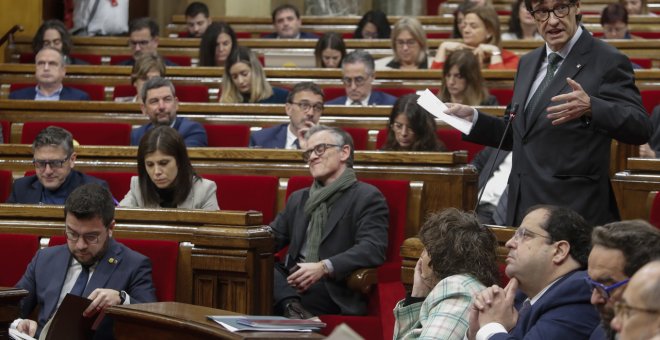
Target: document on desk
436, 107
253, 323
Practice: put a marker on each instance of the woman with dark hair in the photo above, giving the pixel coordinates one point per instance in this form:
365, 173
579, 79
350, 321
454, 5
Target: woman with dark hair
330, 50
373, 25
521, 23
458, 261
411, 127
53, 33
459, 15
166, 178
245, 81
462, 81
217, 44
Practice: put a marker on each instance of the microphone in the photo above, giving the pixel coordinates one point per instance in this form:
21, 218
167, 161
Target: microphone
509, 114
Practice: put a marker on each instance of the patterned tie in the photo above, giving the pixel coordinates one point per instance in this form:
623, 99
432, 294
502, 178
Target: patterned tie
81, 282
553, 63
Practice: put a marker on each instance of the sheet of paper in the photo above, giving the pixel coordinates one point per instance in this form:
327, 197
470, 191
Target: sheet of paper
436, 107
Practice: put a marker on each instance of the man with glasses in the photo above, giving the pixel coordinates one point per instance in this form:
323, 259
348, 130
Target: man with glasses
619, 249
143, 39
547, 297
333, 228
304, 106
574, 95
54, 177
358, 74
638, 312
91, 264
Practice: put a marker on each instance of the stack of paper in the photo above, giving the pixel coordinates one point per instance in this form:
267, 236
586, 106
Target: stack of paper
266, 323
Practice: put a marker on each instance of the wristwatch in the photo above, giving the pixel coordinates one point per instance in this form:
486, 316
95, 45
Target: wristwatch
496, 53
122, 297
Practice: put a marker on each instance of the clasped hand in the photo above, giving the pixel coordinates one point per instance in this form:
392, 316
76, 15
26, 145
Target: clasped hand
306, 276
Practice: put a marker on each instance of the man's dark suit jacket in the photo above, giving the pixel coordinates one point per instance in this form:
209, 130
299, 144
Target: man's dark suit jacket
27, 190
193, 133
568, 164
303, 35
377, 98
68, 93
654, 143
563, 312
354, 237
45, 275
270, 138
131, 62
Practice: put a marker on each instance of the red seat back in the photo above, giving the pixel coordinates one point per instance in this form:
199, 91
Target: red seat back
118, 182
84, 133
228, 135
454, 142
6, 131
381, 138
654, 214
330, 93
296, 183
643, 62
92, 59
178, 59
124, 90
6, 180
94, 91
192, 93
237, 192
360, 137
18, 251
503, 95
650, 99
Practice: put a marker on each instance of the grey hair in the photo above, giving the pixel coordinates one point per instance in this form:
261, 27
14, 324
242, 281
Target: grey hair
155, 83
341, 138
361, 56
54, 136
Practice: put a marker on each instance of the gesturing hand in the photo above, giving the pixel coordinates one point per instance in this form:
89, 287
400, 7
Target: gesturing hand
577, 103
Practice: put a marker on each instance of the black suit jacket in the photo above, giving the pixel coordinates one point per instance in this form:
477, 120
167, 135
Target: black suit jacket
568, 164
68, 93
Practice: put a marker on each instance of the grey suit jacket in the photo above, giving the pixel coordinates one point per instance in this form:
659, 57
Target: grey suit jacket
568, 164
201, 196
354, 237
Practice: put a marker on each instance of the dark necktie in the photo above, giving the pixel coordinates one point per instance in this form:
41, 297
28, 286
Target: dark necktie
524, 310
296, 144
81, 282
356, 103
553, 63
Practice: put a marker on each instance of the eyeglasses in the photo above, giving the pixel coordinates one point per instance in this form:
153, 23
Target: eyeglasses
74, 237
319, 150
543, 14
622, 308
305, 106
358, 81
54, 164
603, 290
409, 42
142, 43
523, 233
398, 127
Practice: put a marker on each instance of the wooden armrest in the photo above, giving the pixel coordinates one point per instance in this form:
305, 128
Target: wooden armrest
410, 251
363, 280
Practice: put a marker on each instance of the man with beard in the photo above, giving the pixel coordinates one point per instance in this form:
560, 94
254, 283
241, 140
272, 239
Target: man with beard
92, 264
619, 250
160, 104
304, 106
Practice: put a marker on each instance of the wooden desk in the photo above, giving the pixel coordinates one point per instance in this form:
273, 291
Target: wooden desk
174, 320
9, 309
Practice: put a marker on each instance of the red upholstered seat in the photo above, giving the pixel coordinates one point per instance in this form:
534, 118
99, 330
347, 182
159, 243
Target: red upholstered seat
94, 91
6, 181
124, 90
454, 142
118, 182
654, 213
18, 251
438, 35
237, 192
381, 138
177, 59
6, 131
643, 62
650, 99
647, 34
360, 137
330, 93
85, 133
185, 93
503, 95
228, 135
163, 256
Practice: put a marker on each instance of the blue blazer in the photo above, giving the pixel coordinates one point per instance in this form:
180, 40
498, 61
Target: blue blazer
45, 275
27, 190
563, 312
193, 133
68, 93
376, 98
303, 35
279, 97
270, 138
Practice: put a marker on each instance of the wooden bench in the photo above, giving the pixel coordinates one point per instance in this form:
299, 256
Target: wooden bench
633, 185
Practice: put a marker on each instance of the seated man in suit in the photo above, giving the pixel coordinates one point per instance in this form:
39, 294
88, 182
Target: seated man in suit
638, 315
55, 179
652, 148
287, 22
335, 227
49, 73
143, 38
546, 263
358, 76
160, 104
304, 106
197, 19
618, 250
91, 265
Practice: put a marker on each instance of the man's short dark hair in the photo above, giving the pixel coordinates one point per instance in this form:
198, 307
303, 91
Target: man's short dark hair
341, 138
196, 8
285, 7
305, 86
90, 201
361, 56
565, 224
638, 240
155, 83
142, 23
614, 13
54, 136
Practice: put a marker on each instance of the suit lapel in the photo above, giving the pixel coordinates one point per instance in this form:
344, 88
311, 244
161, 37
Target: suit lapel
527, 70
281, 136
105, 268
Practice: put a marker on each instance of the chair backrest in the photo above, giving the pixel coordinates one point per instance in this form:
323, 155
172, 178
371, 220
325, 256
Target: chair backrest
228, 135
6, 180
86, 133
360, 137
6, 131
179, 60
163, 255
654, 211
237, 192
192, 93
330, 93
503, 95
381, 138
92, 59
296, 183
118, 182
643, 62
650, 98
454, 142
94, 91
17, 250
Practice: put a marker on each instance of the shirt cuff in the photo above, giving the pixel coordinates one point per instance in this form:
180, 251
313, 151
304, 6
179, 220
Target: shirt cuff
128, 300
489, 330
328, 265
475, 116
14, 324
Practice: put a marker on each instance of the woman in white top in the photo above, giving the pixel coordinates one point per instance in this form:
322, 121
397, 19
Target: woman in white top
166, 178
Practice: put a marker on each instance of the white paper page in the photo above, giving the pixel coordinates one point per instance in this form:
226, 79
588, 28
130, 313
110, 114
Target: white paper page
436, 107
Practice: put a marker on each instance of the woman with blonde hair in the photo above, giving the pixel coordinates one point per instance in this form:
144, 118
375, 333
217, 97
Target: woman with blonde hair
245, 80
408, 46
462, 81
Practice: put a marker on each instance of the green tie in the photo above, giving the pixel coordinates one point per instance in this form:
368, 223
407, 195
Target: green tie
553, 64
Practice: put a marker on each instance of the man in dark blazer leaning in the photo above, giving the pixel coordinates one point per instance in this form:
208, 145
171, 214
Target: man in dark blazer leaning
335, 227
358, 74
561, 136
49, 72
